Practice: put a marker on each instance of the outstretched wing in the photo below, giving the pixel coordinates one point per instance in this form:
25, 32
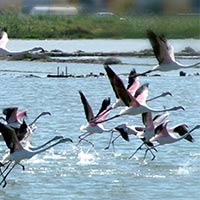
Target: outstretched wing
104, 106
141, 93
182, 129
112, 76
161, 48
11, 114
119, 88
10, 137
87, 108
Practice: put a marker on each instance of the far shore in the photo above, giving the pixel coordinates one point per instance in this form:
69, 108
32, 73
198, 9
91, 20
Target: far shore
93, 57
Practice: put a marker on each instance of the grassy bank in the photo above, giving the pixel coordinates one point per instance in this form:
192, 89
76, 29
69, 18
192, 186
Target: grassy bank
60, 27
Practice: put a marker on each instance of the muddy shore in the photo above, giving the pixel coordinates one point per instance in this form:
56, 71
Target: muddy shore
93, 57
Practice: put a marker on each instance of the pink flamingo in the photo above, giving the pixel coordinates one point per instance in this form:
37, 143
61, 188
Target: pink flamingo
166, 136
133, 87
17, 151
133, 106
164, 53
14, 117
93, 125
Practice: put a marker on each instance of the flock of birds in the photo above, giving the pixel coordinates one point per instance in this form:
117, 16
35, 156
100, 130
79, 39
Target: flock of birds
17, 133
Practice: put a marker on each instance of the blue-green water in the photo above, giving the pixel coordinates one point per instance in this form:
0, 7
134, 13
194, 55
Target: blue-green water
68, 172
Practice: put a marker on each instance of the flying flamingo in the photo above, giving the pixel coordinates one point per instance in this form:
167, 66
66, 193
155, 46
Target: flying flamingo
133, 106
145, 133
93, 125
132, 87
14, 117
164, 53
167, 136
5, 52
17, 151
24, 132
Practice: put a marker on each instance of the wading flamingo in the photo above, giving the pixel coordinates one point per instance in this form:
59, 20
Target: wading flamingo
133, 106
93, 125
17, 152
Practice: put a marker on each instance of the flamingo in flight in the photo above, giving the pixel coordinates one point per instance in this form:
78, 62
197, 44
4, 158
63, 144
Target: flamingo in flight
93, 125
133, 87
163, 135
164, 54
143, 133
5, 52
17, 151
14, 117
134, 106
167, 136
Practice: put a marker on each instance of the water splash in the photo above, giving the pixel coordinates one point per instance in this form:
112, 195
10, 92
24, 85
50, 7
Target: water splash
87, 158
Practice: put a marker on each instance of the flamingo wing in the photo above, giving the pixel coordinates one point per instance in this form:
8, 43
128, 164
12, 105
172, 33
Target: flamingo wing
141, 93
10, 137
87, 108
21, 131
147, 119
104, 106
131, 78
11, 114
112, 76
133, 82
162, 50
182, 129
119, 88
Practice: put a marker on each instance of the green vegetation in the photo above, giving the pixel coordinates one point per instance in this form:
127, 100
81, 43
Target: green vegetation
93, 26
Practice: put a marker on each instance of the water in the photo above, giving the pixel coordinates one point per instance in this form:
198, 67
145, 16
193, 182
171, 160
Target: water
68, 172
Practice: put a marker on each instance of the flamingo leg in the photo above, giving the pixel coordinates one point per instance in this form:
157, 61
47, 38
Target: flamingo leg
140, 147
23, 167
4, 177
149, 149
83, 136
8, 164
111, 136
113, 142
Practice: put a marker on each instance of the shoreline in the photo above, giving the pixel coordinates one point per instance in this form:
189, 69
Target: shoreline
93, 57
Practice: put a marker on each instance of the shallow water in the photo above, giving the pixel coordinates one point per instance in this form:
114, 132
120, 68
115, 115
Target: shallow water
75, 173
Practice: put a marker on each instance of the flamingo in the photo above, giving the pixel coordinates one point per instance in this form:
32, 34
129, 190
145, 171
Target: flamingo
5, 52
164, 53
167, 136
93, 125
14, 117
3, 38
133, 106
144, 133
133, 87
24, 132
17, 151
